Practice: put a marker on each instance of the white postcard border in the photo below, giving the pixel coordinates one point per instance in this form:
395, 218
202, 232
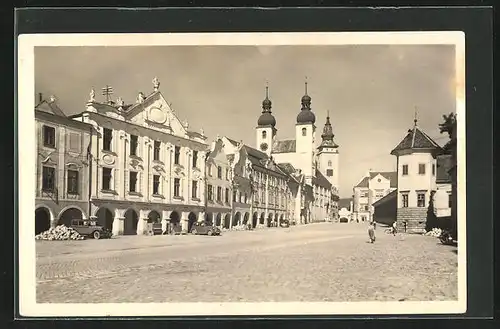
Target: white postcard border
27, 149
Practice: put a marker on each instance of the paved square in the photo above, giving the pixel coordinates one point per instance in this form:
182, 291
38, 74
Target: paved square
315, 262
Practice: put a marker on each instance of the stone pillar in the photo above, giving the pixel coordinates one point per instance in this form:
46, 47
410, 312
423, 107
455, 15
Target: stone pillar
230, 222
201, 216
142, 226
118, 225
214, 218
184, 221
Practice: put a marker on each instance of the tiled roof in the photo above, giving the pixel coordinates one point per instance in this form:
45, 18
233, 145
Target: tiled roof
392, 176
386, 198
344, 203
363, 183
284, 146
444, 163
416, 139
50, 107
321, 180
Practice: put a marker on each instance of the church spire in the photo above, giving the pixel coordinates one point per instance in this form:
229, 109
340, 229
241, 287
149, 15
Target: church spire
327, 136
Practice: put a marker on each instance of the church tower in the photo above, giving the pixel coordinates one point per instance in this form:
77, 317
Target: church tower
328, 154
305, 132
265, 129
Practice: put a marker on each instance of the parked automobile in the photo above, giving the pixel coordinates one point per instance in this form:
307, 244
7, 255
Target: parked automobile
285, 223
89, 228
204, 228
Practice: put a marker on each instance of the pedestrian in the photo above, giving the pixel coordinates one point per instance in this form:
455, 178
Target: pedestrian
394, 231
371, 232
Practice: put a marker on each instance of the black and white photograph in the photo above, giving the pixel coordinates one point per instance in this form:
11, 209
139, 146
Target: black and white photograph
242, 174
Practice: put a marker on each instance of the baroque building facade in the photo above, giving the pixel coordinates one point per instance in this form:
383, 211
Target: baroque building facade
372, 187
147, 165
62, 171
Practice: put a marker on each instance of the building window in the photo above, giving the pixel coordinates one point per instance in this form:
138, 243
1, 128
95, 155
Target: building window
106, 178
329, 163
195, 159
366, 208
133, 181
329, 172
156, 151
421, 169
72, 182
133, 145
420, 199
219, 193
433, 169
156, 184
364, 194
264, 134
49, 136
194, 190
227, 173
226, 195
210, 170
177, 154
48, 179
246, 198
404, 200
177, 187
219, 172
74, 142
450, 201
379, 193
210, 193
107, 138
304, 132
405, 170
234, 196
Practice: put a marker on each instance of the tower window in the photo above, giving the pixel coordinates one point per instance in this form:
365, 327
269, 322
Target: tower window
421, 199
264, 134
405, 170
421, 169
304, 132
329, 172
329, 163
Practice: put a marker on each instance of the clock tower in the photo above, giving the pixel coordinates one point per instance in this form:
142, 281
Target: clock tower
265, 129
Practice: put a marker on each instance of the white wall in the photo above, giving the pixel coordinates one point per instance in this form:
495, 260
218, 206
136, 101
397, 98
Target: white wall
414, 181
260, 140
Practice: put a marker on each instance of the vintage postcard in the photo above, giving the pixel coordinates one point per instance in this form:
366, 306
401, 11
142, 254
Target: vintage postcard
241, 174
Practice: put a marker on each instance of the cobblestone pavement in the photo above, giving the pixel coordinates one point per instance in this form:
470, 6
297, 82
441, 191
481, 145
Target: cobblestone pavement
316, 262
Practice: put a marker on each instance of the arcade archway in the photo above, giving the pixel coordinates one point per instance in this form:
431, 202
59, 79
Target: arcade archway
105, 218
130, 222
42, 220
68, 215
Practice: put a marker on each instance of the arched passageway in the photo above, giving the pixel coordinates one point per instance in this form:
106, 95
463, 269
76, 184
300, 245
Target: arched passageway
191, 220
218, 219
236, 218
262, 218
254, 219
42, 220
270, 221
154, 217
227, 221
68, 215
246, 217
130, 222
105, 218
209, 218
175, 218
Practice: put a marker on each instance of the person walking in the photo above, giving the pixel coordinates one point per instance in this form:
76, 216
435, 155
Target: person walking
371, 232
164, 226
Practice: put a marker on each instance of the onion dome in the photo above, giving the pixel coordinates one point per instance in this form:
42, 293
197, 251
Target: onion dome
306, 115
266, 118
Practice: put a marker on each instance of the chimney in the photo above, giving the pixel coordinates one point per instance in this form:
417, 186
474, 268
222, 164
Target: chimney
40, 97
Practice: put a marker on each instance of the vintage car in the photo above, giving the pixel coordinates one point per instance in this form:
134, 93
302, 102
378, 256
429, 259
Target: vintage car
204, 228
285, 223
89, 228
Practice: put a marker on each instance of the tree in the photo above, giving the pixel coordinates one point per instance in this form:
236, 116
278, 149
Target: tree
448, 126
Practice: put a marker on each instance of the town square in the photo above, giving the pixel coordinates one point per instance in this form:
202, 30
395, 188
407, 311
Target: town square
294, 173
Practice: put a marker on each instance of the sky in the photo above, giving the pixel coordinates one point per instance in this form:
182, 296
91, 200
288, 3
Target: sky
370, 91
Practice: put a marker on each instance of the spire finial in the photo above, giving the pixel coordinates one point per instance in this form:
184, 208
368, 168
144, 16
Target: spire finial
267, 89
306, 85
415, 120
328, 113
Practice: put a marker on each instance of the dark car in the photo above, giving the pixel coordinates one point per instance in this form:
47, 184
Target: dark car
285, 223
204, 228
88, 228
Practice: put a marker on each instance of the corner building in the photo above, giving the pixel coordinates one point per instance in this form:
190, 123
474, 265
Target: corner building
147, 165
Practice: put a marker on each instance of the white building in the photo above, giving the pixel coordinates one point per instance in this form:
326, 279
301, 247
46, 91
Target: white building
147, 165
372, 187
301, 153
416, 160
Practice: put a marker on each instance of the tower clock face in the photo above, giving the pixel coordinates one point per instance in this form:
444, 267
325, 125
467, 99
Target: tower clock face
263, 146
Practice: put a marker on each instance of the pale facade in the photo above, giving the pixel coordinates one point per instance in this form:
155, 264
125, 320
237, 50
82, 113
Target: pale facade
416, 160
62, 171
371, 188
148, 164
